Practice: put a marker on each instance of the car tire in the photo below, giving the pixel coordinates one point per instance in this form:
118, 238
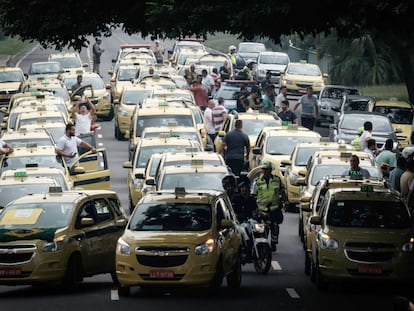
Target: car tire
234, 278
110, 115
124, 291
74, 274
118, 134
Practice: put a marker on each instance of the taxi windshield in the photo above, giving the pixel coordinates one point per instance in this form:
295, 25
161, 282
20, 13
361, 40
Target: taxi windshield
35, 215
146, 152
11, 76
186, 135
68, 62
133, 97
9, 193
127, 74
25, 161
193, 181
253, 127
368, 214
284, 145
322, 170
396, 115
163, 120
171, 217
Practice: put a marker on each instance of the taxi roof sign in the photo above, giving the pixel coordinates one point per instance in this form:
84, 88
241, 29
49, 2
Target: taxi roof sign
345, 154
172, 123
55, 189
286, 123
293, 127
367, 188
31, 145
20, 174
191, 149
197, 163
163, 103
179, 191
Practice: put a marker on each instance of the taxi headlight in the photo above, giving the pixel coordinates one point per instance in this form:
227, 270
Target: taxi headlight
326, 242
287, 82
408, 246
205, 248
319, 84
122, 247
56, 245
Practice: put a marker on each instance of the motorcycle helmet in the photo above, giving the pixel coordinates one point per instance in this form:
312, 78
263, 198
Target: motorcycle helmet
232, 48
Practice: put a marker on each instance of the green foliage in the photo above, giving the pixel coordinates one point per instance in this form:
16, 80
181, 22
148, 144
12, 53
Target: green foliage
12, 46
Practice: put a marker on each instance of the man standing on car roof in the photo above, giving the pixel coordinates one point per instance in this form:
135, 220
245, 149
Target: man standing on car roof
97, 51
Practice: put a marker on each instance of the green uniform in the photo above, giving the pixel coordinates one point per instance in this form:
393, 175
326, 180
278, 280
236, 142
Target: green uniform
268, 192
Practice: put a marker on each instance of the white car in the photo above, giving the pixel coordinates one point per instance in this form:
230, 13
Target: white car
275, 62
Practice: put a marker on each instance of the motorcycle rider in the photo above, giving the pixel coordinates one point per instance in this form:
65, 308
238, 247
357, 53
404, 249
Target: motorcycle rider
245, 207
269, 189
229, 185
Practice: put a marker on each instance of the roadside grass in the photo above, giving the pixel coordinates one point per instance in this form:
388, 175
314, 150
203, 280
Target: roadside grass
13, 46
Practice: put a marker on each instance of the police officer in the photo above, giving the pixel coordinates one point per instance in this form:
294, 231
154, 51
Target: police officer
269, 189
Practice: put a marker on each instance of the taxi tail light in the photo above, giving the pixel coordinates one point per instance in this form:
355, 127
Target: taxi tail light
205, 248
56, 245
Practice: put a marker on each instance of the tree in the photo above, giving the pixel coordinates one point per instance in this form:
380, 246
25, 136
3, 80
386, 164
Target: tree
68, 23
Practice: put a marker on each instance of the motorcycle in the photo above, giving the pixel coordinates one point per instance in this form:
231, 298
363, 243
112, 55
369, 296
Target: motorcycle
258, 249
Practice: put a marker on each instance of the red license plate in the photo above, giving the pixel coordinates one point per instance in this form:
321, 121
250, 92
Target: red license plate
10, 272
368, 269
161, 274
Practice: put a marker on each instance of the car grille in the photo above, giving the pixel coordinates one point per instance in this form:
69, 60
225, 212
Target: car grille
16, 254
303, 85
369, 252
162, 257
147, 277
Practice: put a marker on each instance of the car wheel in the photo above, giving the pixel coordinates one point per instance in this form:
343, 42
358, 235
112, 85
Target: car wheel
234, 278
307, 264
217, 280
118, 133
73, 275
111, 114
124, 291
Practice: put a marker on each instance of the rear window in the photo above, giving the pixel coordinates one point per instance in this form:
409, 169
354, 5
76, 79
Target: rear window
368, 214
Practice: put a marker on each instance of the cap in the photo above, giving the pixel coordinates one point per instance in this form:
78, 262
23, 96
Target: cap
267, 165
407, 152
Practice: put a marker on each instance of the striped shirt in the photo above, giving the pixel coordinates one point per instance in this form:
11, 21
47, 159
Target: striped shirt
218, 114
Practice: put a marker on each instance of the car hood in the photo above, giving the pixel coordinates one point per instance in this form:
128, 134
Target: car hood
380, 137
369, 235
330, 102
166, 238
302, 78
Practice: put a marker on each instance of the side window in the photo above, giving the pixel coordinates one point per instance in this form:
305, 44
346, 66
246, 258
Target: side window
87, 210
323, 207
103, 210
225, 201
219, 213
116, 206
321, 198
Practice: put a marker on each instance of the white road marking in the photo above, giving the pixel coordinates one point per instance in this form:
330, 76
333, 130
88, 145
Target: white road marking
27, 54
114, 295
276, 266
292, 293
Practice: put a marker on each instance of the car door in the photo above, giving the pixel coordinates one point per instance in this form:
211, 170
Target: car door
95, 174
255, 159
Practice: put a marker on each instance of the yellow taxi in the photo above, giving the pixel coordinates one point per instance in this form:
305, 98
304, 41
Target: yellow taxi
275, 144
194, 176
40, 172
147, 70
145, 148
189, 239
91, 172
162, 81
131, 96
298, 76
95, 89
10, 81
361, 233
122, 78
59, 236
70, 61
400, 114
312, 203
46, 87
296, 165
327, 163
155, 112
173, 92
253, 122
133, 50
21, 184
23, 137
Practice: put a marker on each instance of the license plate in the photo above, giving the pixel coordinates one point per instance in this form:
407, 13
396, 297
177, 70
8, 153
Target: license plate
368, 269
161, 274
10, 272
302, 91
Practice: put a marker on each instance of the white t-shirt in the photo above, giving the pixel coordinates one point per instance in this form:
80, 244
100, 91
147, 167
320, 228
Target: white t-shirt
279, 98
83, 123
208, 116
69, 145
364, 138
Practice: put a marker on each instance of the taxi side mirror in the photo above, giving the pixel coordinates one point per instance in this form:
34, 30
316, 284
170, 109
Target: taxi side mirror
127, 164
85, 65
257, 150
139, 176
300, 181
110, 72
226, 224
302, 173
121, 222
316, 220
284, 163
305, 207
150, 182
87, 221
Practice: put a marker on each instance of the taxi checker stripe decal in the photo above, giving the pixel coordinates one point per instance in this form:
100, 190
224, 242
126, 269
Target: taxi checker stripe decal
92, 181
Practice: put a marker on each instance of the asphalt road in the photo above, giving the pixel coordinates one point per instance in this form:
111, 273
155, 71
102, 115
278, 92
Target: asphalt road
286, 287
